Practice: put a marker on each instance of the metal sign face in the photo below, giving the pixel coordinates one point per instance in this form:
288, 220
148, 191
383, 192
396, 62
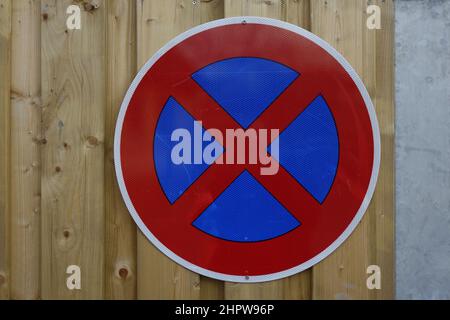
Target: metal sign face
247, 149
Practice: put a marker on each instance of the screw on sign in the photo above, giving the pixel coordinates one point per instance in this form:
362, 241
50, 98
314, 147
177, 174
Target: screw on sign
247, 152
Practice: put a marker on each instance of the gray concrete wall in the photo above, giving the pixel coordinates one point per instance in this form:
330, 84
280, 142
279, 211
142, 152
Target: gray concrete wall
423, 149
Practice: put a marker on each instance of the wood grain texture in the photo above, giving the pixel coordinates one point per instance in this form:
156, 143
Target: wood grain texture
298, 12
74, 97
343, 274
384, 197
120, 232
211, 289
275, 9
297, 287
158, 22
25, 151
5, 89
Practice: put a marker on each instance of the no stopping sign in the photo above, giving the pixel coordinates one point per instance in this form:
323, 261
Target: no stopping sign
247, 149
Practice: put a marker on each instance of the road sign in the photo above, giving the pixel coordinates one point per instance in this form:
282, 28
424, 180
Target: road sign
247, 149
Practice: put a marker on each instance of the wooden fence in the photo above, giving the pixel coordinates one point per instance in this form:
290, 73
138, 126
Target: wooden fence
60, 91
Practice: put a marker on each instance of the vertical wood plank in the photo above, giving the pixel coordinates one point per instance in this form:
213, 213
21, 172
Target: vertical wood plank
296, 12
5, 88
120, 238
74, 97
25, 151
211, 289
270, 9
343, 274
384, 197
158, 22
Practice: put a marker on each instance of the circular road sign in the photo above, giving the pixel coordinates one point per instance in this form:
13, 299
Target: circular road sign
247, 149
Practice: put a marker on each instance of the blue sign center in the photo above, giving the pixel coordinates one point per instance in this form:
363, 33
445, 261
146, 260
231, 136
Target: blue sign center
308, 150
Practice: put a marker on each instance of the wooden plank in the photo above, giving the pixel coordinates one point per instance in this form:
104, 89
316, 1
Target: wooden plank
384, 197
297, 12
262, 8
74, 99
120, 237
343, 274
5, 88
211, 289
158, 22
25, 153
